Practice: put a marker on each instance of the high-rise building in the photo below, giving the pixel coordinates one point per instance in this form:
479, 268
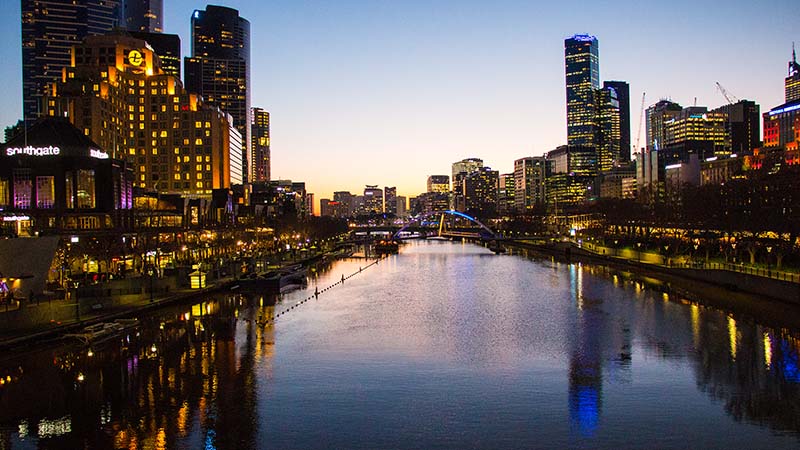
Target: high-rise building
505, 194
529, 183
571, 176
259, 135
742, 124
695, 131
49, 30
346, 202
402, 209
460, 171
607, 128
439, 183
167, 47
390, 200
792, 82
655, 118
219, 68
623, 91
118, 96
373, 200
480, 192
143, 15
583, 78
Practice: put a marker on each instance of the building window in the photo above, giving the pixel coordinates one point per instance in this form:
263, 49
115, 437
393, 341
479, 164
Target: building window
86, 191
45, 192
69, 193
23, 187
4, 193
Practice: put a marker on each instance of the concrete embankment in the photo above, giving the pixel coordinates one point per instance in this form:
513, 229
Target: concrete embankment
773, 301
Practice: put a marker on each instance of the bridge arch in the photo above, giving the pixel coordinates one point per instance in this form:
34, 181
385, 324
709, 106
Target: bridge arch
450, 212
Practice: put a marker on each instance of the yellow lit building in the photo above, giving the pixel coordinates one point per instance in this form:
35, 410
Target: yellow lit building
117, 94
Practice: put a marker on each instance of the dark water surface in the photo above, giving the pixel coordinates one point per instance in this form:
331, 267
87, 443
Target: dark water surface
443, 346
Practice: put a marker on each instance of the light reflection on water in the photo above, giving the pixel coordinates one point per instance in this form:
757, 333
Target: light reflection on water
443, 346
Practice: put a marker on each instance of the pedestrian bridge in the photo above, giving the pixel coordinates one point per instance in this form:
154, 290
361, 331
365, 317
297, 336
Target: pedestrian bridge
450, 223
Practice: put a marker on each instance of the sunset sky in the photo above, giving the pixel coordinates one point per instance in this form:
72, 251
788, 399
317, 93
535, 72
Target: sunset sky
389, 92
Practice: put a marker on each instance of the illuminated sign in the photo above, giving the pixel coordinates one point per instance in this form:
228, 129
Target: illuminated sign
784, 110
135, 58
94, 153
16, 218
33, 151
584, 38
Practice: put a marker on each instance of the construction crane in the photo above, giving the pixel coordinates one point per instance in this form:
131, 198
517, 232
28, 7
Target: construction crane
641, 117
728, 96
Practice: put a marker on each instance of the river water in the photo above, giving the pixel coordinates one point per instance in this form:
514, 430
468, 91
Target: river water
445, 345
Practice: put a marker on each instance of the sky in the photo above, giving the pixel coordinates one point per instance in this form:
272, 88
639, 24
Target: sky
388, 92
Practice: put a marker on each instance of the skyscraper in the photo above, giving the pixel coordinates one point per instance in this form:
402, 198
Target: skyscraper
219, 68
607, 128
623, 91
143, 15
49, 30
583, 78
390, 200
259, 135
529, 183
166, 46
792, 82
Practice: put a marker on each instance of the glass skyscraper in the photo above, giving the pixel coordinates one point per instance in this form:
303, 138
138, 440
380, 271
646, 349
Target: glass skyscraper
50, 28
219, 68
583, 78
143, 15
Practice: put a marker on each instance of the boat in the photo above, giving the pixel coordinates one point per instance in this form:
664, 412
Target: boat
274, 281
386, 247
103, 330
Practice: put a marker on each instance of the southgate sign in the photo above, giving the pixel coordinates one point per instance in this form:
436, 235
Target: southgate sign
33, 151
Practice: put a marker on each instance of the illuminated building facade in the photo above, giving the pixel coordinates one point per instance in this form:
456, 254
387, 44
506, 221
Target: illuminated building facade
607, 128
460, 171
695, 131
792, 81
49, 30
167, 47
143, 15
480, 192
439, 183
656, 116
373, 200
116, 93
782, 123
505, 194
572, 176
390, 200
742, 125
583, 78
259, 136
219, 68
623, 94
56, 179
529, 183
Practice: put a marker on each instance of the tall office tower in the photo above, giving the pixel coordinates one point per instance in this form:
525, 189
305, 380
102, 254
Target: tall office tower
117, 95
742, 123
583, 78
529, 183
49, 30
655, 119
571, 176
373, 199
259, 135
695, 130
480, 192
143, 15
167, 47
607, 128
439, 183
505, 194
460, 171
402, 209
623, 91
390, 200
219, 68
792, 82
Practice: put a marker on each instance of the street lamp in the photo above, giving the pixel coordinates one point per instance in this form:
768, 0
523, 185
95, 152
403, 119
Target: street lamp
639, 251
769, 250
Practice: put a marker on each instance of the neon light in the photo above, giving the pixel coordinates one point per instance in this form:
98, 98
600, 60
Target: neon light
584, 38
784, 110
94, 153
16, 218
673, 166
33, 151
713, 158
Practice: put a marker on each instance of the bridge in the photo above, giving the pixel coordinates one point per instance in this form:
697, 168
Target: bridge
481, 232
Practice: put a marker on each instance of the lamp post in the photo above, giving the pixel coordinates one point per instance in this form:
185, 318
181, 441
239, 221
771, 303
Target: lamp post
666, 253
639, 251
769, 251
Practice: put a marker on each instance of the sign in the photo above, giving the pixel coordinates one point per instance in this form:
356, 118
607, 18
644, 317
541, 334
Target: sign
33, 151
95, 153
15, 218
135, 58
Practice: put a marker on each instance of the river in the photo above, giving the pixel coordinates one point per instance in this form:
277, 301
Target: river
444, 345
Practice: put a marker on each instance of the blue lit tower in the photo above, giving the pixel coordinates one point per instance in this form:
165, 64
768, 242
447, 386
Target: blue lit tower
583, 78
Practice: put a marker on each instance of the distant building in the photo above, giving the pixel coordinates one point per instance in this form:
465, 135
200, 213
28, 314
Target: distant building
529, 183
50, 28
390, 200
143, 15
402, 208
325, 207
439, 183
259, 136
373, 200
460, 171
345, 203
742, 125
718, 171
655, 118
695, 130
480, 192
505, 194
582, 79
623, 91
607, 128
792, 81
619, 182
572, 177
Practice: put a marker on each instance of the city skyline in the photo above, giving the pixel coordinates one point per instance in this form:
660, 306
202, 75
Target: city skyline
362, 89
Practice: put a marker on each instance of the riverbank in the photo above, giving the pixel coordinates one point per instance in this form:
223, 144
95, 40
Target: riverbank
773, 301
